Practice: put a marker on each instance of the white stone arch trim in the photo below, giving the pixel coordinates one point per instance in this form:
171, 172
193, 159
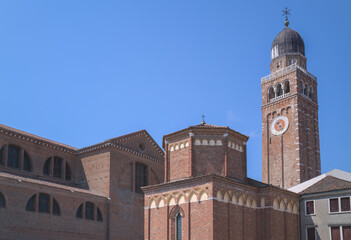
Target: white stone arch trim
226, 197
203, 196
181, 199
219, 196
276, 204
152, 203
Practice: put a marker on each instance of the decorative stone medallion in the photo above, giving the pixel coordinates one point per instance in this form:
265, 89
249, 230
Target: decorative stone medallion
279, 125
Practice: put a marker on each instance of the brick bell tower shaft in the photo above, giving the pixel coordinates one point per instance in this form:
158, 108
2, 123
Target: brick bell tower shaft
290, 134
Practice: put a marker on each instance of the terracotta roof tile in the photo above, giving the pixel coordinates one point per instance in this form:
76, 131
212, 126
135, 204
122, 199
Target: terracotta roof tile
328, 184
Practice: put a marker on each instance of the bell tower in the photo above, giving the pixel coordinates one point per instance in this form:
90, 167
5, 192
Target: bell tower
290, 134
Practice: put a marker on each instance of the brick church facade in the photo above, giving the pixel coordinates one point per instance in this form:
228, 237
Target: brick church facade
196, 188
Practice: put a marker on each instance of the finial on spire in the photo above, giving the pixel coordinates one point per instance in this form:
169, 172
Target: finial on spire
286, 12
203, 119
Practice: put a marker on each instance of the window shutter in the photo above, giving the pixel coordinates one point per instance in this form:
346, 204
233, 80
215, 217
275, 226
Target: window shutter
347, 232
310, 207
345, 204
334, 205
335, 233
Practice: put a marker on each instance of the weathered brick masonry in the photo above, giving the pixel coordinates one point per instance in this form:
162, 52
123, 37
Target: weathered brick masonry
103, 174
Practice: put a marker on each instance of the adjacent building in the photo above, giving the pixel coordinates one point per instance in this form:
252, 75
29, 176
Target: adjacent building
325, 206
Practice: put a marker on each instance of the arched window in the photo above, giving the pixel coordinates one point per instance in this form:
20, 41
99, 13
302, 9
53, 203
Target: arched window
89, 211
2, 201
16, 158
141, 177
13, 156
179, 226
279, 90
286, 87
311, 93
271, 93
54, 167
305, 90
45, 203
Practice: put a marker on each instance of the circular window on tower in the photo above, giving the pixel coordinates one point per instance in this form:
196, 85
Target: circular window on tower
279, 125
142, 147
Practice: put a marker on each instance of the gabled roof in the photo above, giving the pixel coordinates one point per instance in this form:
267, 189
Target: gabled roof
114, 142
330, 181
328, 184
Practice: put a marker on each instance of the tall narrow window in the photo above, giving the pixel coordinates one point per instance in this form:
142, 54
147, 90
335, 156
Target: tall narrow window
47, 167
140, 176
346, 231
44, 202
99, 215
334, 205
335, 233
57, 167
179, 227
279, 90
309, 207
26, 162
79, 213
55, 207
286, 87
311, 234
68, 172
1, 153
89, 211
271, 93
13, 156
345, 204
2, 201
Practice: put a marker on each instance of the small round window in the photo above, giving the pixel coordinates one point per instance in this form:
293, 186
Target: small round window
142, 147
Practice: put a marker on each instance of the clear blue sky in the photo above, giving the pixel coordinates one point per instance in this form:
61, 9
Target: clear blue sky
79, 72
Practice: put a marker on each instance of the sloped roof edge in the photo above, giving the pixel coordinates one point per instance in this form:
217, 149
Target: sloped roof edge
334, 173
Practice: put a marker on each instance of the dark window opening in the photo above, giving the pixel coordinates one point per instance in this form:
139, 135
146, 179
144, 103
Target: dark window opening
79, 213
68, 172
271, 93
335, 233
57, 167
47, 167
13, 156
142, 147
310, 207
334, 205
26, 162
1, 156
99, 215
89, 211
31, 204
179, 227
305, 91
2, 201
286, 87
311, 234
346, 231
44, 203
345, 204
140, 177
55, 207
279, 90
